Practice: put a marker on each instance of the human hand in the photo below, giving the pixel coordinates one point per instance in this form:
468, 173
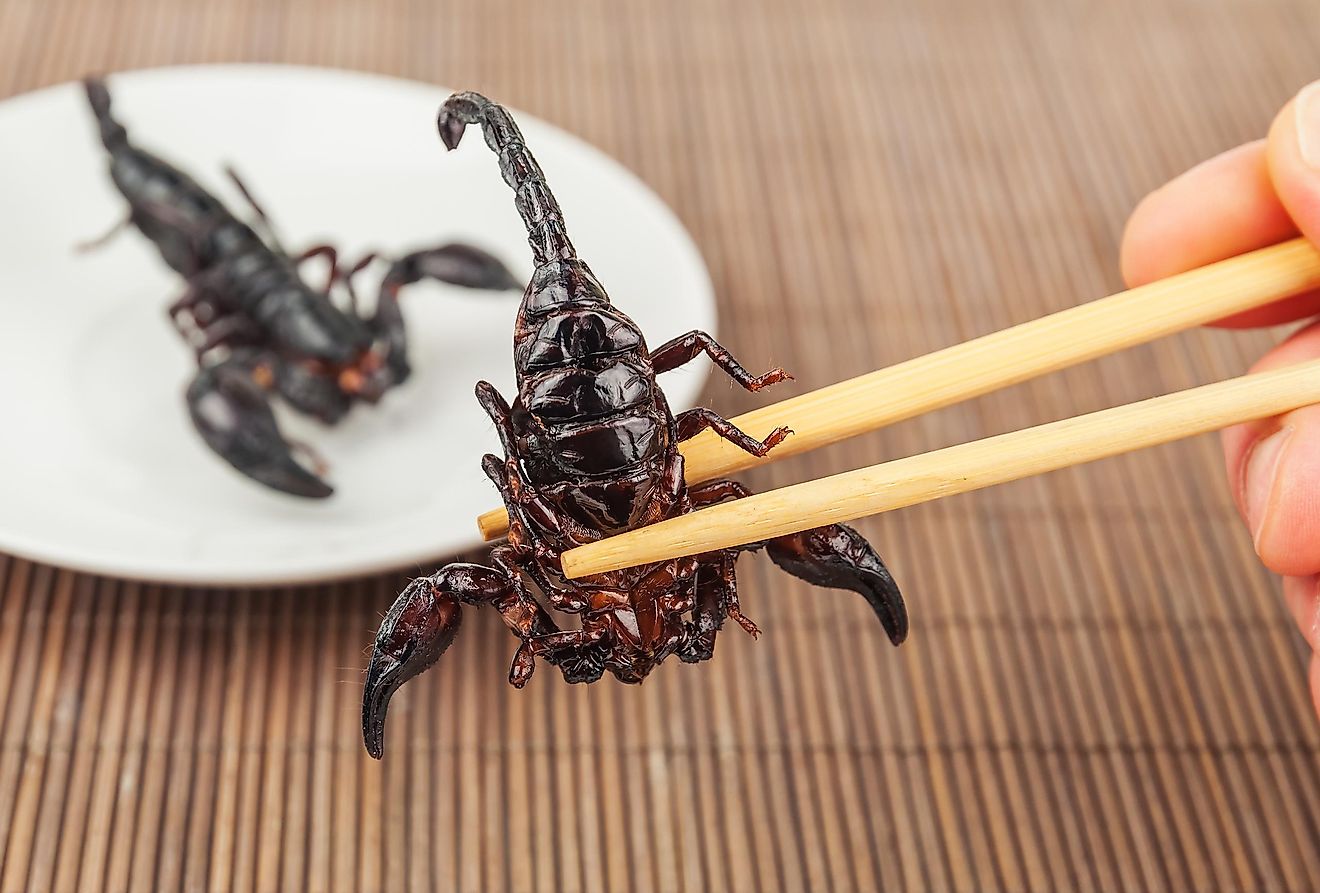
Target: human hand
1247, 198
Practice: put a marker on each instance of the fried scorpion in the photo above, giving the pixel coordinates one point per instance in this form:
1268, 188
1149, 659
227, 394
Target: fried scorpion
591, 449
257, 329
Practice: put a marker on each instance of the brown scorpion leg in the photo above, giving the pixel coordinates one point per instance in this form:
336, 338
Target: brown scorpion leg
96, 243
529, 552
708, 494
236, 328
211, 327
331, 254
707, 614
422, 623
579, 653
362, 263
834, 556
523, 502
263, 219
716, 598
684, 349
192, 298
522, 614
528, 511
694, 421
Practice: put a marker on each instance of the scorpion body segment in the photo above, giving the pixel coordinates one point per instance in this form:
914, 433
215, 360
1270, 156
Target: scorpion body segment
590, 449
257, 329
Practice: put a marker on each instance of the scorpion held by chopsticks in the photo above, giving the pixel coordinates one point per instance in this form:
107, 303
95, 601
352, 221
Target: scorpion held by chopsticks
256, 327
590, 449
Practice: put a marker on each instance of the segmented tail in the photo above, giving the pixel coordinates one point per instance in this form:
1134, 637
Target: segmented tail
112, 132
537, 206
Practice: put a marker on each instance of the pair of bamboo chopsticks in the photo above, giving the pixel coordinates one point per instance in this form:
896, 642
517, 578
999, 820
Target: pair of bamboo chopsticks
968, 370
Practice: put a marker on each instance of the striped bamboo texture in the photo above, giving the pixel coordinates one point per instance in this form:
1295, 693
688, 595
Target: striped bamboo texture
1102, 690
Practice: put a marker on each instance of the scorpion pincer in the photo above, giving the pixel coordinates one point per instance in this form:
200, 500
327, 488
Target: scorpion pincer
257, 329
590, 449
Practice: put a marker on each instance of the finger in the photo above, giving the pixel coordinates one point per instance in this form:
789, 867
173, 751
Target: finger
1315, 682
1293, 157
1219, 209
1303, 597
1274, 470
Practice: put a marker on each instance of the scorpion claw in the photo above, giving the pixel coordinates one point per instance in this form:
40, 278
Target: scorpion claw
456, 263
231, 412
415, 632
838, 557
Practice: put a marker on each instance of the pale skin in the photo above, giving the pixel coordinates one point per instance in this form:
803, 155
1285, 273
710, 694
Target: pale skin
1247, 198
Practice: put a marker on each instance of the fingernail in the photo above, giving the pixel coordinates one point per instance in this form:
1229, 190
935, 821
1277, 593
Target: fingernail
1307, 110
1258, 481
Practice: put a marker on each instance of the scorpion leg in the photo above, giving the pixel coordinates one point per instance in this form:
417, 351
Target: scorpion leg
501, 414
362, 263
522, 613
227, 331
331, 254
263, 219
685, 348
523, 502
716, 597
98, 242
192, 297
579, 653
834, 556
707, 615
694, 421
207, 320
230, 408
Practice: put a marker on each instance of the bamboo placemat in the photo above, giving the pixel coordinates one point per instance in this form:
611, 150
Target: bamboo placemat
1102, 689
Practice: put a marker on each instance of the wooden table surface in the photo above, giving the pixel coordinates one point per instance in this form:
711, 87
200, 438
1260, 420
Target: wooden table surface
1102, 689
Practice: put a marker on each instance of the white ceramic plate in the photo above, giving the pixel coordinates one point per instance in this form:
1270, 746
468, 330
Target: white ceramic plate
99, 467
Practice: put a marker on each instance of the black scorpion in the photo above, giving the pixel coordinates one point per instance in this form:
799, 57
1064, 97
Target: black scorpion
591, 449
256, 327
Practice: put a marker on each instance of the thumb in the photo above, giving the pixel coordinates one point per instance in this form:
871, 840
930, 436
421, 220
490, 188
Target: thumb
1293, 153
1275, 464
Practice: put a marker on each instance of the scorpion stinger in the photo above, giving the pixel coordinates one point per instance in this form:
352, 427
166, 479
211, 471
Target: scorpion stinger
591, 448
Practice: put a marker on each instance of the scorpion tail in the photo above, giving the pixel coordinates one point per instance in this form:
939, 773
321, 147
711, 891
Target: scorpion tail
537, 206
113, 134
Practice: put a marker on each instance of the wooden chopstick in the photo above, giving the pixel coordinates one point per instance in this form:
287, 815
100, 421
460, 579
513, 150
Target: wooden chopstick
956, 469
1002, 358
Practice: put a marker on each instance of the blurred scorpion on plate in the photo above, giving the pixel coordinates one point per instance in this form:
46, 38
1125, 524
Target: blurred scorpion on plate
256, 327
591, 449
